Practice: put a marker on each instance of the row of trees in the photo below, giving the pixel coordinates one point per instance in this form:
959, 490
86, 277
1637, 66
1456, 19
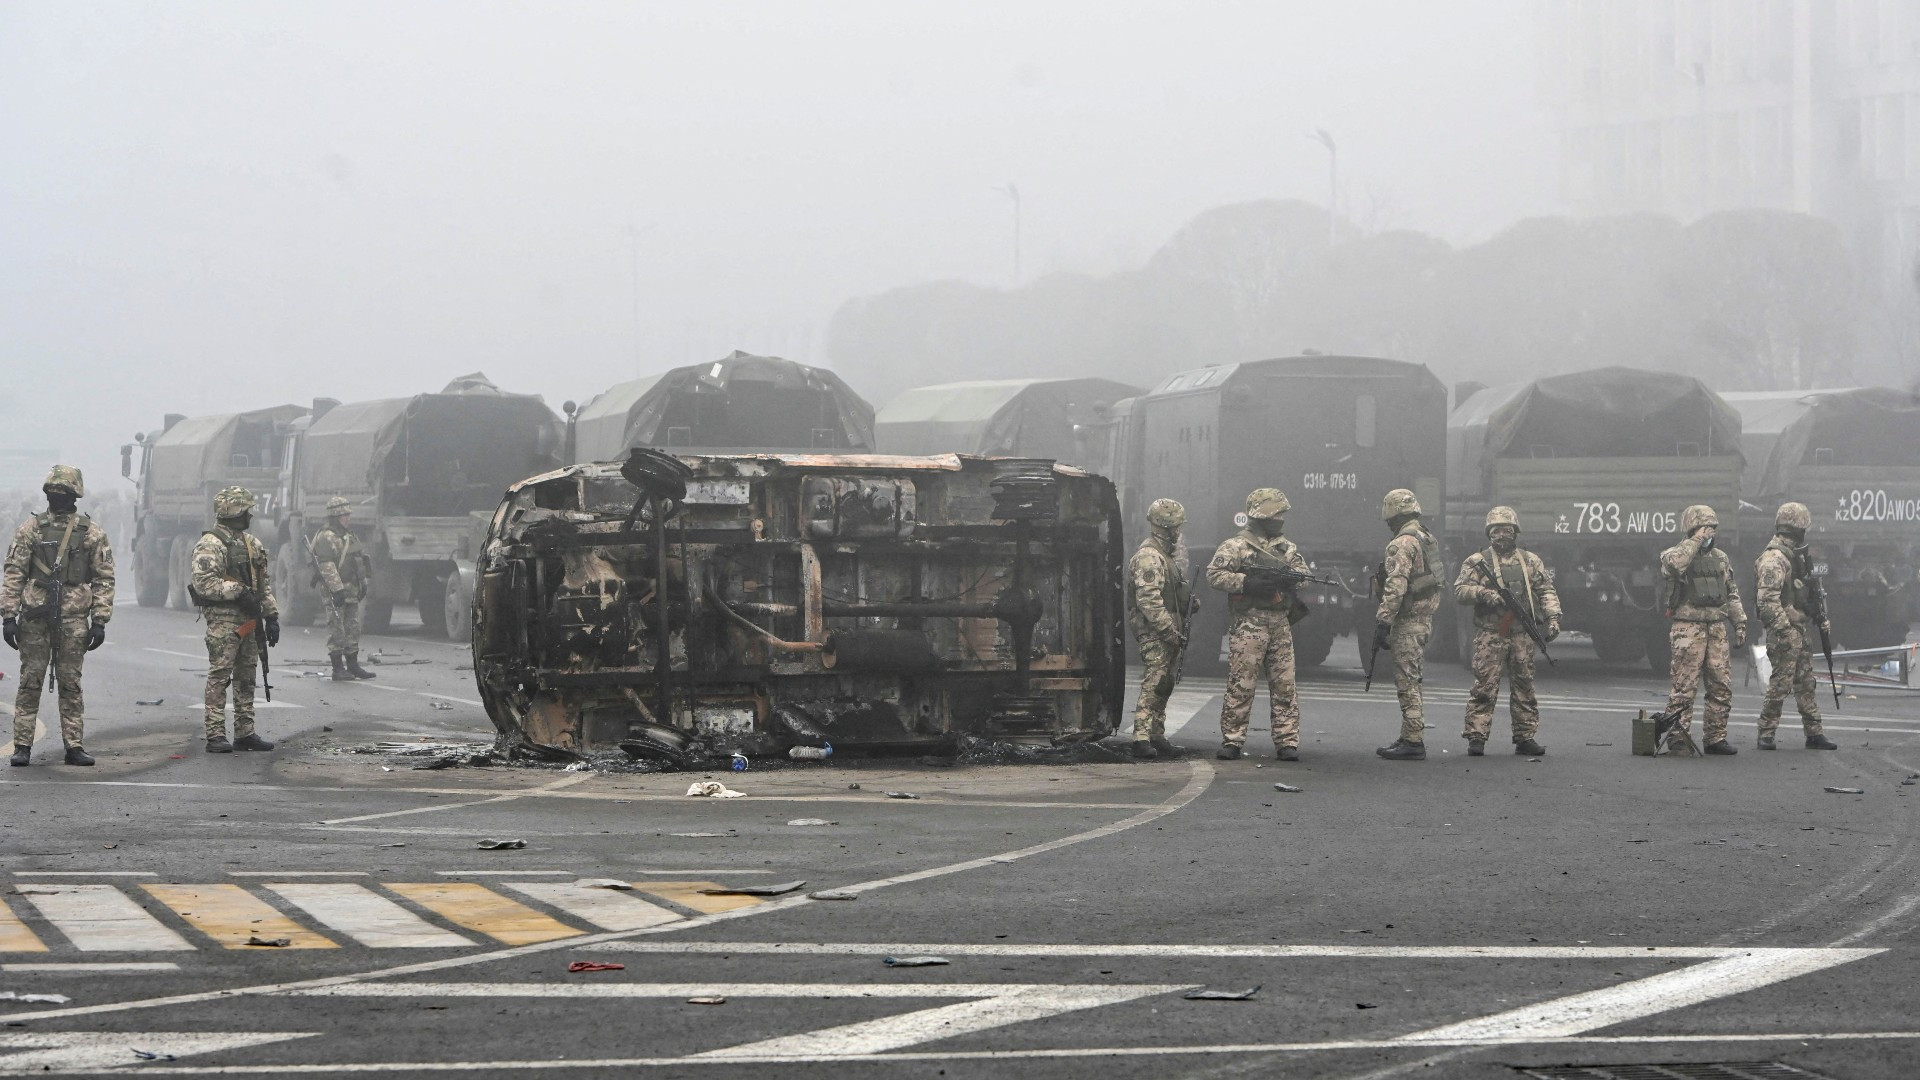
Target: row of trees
1749, 299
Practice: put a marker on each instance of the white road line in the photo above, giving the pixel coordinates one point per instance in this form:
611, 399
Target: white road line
50, 1051
1378, 952
691, 989
543, 789
1897, 912
605, 908
296, 873
90, 969
546, 873
499, 873
450, 697
85, 873
366, 916
201, 655
1576, 1014
101, 918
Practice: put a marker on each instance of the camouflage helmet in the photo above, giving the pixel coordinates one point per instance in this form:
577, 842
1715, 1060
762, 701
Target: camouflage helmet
338, 505
1502, 515
66, 478
1693, 517
1166, 514
232, 502
1267, 503
1793, 516
1398, 501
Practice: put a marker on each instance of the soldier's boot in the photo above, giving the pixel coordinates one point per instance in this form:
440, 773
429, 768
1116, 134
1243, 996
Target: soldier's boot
78, 756
1721, 749
22, 755
1476, 748
1288, 753
250, 741
1682, 747
1766, 742
354, 668
1228, 752
1143, 750
218, 744
1163, 747
1529, 748
1402, 750
340, 673
1821, 742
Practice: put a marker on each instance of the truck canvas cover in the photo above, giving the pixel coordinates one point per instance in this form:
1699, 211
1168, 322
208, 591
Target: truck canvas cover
600, 427
1865, 426
202, 449
1023, 417
742, 402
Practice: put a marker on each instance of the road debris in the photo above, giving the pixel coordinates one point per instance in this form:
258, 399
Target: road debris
270, 943
502, 845
438, 763
810, 753
593, 965
1287, 787
603, 883
443, 706
916, 961
1846, 791
155, 701
900, 795
853, 787
1365, 1005
34, 999
811, 821
707, 999
834, 894
756, 890
1222, 995
712, 789
148, 1055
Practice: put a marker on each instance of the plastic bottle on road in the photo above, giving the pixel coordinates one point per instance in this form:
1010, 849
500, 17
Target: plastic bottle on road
811, 753
739, 761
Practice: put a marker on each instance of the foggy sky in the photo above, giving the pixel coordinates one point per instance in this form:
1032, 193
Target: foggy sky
208, 207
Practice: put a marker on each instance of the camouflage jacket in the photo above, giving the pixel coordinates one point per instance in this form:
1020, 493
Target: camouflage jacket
1691, 575
341, 560
1409, 575
1156, 589
1244, 551
1524, 570
87, 572
1780, 593
223, 561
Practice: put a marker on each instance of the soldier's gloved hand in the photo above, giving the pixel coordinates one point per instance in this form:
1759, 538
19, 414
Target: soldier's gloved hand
10, 629
1382, 635
1553, 629
273, 631
249, 605
1740, 636
340, 598
96, 636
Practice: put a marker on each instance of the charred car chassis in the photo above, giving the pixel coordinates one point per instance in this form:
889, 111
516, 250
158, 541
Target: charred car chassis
680, 606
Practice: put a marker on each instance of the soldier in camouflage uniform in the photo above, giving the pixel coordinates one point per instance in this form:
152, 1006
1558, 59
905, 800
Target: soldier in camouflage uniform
235, 593
1786, 610
1499, 644
1702, 599
1410, 590
1158, 601
1264, 610
340, 560
68, 547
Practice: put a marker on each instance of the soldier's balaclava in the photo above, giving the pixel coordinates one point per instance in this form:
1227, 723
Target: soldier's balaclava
62, 501
1399, 521
1796, 537
238, 522
1504, 538
1169, 535
1269, 527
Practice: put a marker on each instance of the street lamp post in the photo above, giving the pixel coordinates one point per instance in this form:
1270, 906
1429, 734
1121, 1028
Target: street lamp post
1012, 191
1325, 138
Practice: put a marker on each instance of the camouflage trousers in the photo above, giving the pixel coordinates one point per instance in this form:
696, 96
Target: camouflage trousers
1700, 652
343, 628
1408, 640
1157, 659
1792, 662
36, 653
1260, 638
1494, 653
232, 661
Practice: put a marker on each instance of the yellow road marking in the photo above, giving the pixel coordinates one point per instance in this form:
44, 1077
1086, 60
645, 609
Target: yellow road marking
229, 914
687, 894
477, 907
14, 935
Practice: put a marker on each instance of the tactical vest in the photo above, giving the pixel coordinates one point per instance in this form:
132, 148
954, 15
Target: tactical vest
1423, 582
1176, 593
1238, 602
354, 566
1705, 583
1515, 579
239, 566
1793, 594
78, 568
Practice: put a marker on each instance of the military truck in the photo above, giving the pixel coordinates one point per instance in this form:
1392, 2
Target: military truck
1853, 457
1063, 419
1599, 465
1334, 432
697, 604
424, 474
180, 468
742, 402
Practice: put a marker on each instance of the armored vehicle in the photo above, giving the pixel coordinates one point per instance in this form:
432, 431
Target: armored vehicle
1063, 419
181, 466
424, 473
1598, 465
683, 605
743, 402
1333, 432
1853, 457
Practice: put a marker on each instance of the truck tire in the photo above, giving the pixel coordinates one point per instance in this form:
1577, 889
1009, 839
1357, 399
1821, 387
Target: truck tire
150, 582
457, 601
377, 616
1311, 644
431, 598
1619, 645
1659, 651
179, 573
299, 604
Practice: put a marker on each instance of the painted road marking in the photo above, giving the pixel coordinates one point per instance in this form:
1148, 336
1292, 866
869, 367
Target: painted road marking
14, 934
687, 894
543, 789
85, 873
477, 907
46, 1051
231, 915
500, 873
366, 916
608, 909
296, 873
92, 969
1247, 952
100, 918
201, 655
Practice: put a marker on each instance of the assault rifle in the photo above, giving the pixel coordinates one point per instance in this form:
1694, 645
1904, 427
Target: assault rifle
1517, 611
1172, 677
1376, 588
250, 603
1817, 601
56, 603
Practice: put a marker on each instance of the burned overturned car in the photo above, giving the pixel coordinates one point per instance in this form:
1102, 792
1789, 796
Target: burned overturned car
682, 606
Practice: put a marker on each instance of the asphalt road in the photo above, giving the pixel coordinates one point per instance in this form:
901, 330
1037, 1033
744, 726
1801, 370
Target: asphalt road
1455, 917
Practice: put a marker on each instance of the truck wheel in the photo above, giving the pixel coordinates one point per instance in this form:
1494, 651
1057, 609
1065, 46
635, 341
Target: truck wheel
1659, 651
150, 580
457, 602
433, 606
377, 616
179, 573
1311, 644
1617, 645
300, 604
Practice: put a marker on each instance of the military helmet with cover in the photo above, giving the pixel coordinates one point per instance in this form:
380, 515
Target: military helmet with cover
1502, 515
64, 478
1398, 501
1697, 516
1166, 514
1793, 515
232, 502
1267, 503
338, 505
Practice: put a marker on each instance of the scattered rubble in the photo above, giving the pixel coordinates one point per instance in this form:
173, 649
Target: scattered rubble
501, 845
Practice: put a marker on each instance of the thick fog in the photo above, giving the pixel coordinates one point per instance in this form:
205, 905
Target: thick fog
206, 207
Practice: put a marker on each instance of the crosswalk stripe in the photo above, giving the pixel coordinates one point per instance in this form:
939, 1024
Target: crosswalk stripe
687, 894
230, 915
14, 934
366, 916
477, 907
100, 918
607, 909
